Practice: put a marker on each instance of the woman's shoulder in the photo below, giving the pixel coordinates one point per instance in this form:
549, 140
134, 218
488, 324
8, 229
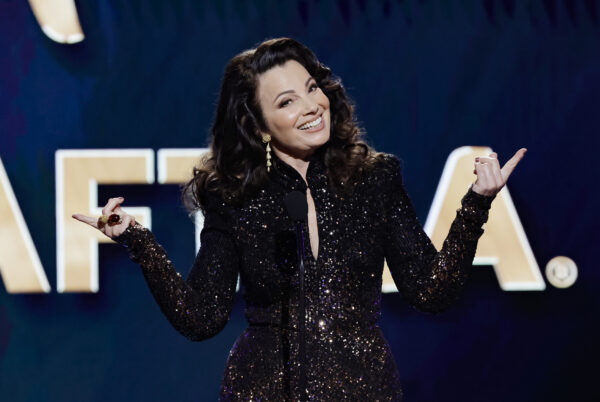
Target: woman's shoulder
387, 161
385, 167
214, 199
218, 212
379, 174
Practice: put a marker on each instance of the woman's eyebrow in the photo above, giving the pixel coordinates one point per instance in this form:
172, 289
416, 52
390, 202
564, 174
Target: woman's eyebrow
291, 90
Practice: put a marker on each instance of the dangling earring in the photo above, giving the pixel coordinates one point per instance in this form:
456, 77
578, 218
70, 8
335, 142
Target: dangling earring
266, 138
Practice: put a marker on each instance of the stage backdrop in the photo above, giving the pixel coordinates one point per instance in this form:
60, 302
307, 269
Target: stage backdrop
427, 76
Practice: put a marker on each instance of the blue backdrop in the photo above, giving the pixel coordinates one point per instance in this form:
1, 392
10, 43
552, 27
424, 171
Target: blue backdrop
427, 77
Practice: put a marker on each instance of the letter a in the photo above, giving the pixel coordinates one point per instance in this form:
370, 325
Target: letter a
20, 264
504, 244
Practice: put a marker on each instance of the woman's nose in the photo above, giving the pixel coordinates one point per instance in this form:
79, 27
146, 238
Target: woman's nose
310, 106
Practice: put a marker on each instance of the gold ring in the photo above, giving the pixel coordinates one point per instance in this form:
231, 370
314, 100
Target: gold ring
111, 220
102, 220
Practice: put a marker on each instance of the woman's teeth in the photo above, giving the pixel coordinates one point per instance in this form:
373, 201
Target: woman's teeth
311, 124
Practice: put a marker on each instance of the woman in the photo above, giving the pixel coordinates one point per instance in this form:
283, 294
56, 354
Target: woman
284, 124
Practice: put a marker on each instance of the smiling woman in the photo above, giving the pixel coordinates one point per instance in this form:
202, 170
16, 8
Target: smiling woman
312, 332
275, 89
298, 118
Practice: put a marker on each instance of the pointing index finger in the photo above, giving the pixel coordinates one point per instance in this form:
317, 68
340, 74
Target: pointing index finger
86, 219
510, 165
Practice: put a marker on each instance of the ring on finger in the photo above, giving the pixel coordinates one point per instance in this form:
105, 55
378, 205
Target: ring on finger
114, 219
102, 221
110, 220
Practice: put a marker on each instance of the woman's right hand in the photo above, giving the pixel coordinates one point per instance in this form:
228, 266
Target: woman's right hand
113, 206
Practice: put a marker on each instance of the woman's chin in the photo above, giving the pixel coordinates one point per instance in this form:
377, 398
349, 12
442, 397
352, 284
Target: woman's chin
305, 147
316, 145
318, 139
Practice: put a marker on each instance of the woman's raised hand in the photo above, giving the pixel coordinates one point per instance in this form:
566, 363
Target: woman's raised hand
490, 177
110, 227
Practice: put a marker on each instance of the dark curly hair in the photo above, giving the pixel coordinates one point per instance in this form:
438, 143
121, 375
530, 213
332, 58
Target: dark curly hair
235, 168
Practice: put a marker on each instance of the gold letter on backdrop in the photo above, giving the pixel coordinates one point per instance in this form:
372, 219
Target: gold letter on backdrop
58, 19
174, 166
20, 264
503, 245
78, 173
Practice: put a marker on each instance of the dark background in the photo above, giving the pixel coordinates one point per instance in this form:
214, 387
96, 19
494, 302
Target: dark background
427, 77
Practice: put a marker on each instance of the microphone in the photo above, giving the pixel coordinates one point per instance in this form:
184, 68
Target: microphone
297, 208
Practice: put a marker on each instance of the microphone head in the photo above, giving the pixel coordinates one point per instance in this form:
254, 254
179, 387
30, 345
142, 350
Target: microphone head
296, 205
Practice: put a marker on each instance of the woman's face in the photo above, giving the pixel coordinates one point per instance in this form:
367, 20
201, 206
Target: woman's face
295, 109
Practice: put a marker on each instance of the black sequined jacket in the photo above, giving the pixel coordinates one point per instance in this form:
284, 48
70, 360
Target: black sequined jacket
347, 357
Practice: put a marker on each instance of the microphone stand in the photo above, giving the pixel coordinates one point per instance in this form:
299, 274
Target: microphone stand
297, 207
301, 310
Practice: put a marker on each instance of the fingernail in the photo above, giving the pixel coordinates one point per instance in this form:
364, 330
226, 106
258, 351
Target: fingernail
476, 159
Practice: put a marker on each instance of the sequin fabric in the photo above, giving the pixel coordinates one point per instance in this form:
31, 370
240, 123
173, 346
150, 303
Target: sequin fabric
347, 356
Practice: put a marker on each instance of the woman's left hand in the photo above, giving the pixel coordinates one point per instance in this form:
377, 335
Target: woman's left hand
490, 177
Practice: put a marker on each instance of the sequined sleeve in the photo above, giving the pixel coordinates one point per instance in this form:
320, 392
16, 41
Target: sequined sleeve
199, 306
429, 279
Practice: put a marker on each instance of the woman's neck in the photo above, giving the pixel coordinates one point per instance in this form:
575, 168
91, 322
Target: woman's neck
300, 163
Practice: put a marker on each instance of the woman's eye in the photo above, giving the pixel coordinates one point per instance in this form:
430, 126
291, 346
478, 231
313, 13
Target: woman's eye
285, 103
313, 87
